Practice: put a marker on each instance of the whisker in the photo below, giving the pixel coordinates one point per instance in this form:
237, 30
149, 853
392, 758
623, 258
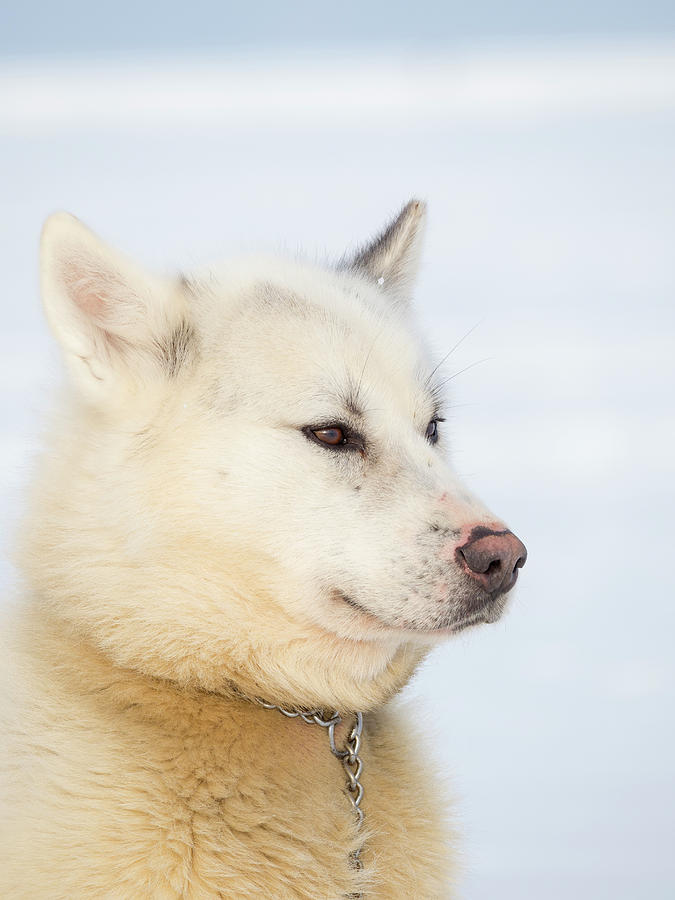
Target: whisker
478, 362
452, 350
383, 322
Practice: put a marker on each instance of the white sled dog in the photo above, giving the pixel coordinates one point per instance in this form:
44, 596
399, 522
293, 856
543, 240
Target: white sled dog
244, 513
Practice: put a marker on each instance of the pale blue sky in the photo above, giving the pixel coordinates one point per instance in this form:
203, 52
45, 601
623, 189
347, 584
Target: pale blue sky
80, 27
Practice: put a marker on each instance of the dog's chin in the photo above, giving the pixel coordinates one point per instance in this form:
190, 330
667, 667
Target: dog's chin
488, 615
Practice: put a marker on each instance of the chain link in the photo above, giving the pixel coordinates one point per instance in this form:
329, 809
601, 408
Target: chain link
348, 756
352, 762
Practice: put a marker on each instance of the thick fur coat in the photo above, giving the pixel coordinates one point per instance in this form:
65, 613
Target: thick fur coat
244, 497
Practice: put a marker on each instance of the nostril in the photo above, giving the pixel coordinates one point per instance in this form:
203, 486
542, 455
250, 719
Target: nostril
480, 564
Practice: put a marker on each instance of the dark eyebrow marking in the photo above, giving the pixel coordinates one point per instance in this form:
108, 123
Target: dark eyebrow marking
352, 404
350, 398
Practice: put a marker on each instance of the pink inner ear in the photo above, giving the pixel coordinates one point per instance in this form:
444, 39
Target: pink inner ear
92, 289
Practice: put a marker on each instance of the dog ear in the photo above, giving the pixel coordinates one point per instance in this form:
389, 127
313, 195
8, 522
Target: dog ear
117, 324
392, 258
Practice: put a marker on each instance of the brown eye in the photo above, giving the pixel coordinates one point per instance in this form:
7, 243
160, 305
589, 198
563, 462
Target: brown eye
432, 431
331, 436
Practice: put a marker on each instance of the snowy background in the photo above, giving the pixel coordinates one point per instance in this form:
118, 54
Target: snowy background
547, 155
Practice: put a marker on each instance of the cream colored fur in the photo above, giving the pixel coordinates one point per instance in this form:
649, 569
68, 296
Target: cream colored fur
190, 548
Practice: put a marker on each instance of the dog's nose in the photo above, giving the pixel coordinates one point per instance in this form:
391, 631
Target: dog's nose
493, 558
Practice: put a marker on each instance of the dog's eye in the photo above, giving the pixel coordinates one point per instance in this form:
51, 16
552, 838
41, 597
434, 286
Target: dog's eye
334, 436
432, 431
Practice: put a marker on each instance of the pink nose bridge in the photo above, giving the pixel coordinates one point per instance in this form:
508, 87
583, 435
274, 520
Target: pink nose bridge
466, 510
466, 513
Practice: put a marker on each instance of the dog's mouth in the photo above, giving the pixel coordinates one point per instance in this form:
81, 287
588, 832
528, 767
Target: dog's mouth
476, 610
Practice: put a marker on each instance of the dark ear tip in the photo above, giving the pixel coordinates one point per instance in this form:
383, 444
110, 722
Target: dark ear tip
391, 258
415, 207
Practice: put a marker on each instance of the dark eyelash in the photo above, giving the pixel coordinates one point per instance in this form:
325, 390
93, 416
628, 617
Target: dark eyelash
437, 393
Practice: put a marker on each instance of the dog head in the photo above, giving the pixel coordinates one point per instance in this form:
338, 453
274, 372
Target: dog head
250, 486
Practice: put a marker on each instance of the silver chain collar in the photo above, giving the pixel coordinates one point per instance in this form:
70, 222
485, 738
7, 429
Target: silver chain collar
348, 756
